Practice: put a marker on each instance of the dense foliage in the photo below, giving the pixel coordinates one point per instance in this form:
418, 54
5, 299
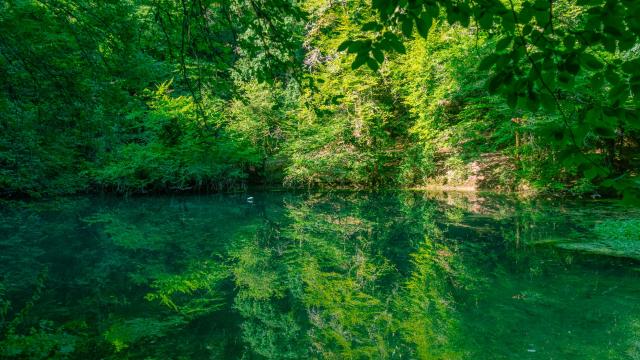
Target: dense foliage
138, 96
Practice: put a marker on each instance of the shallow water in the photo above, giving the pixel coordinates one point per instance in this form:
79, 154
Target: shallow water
340, 275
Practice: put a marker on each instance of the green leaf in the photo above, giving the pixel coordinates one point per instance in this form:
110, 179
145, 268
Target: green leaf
512, 100
592, 173
631, 66
360, 60
465, 20
487, 62
371, 26
486, 21
407, 27
525, 15
542, 17
597, 81
345, 45
508, 24
397, 45
548, 77
533, 101
423, 24
378, 4
495, 82
590, 61
355, 46
619, 93
378, 55
548, 101
612, 76
593, 116
503, 43
569, 42
373, 64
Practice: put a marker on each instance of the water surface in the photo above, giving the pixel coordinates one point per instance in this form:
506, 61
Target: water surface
342, 275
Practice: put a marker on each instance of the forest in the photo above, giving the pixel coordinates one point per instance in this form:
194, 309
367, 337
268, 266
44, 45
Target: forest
320, 179
165, 96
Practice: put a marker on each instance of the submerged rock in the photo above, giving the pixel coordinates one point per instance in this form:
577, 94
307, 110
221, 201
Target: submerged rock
616, 237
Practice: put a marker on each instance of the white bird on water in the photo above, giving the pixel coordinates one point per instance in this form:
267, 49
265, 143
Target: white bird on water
250, 199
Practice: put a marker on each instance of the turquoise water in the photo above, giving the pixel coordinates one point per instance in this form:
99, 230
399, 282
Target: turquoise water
343, 275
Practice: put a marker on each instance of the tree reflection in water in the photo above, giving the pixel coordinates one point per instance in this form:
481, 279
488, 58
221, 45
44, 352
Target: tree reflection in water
341, 275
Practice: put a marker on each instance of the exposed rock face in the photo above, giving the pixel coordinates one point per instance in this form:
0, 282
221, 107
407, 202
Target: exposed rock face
490, 171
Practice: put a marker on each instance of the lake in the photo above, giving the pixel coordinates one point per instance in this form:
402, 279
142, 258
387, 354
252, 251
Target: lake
323, 275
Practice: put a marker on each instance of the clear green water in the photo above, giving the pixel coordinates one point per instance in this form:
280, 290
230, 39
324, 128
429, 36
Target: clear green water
405, 275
